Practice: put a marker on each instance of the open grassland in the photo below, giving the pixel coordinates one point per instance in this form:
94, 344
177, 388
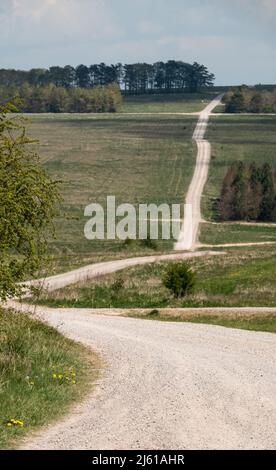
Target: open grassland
41, 374
137, 159
253, 322
220, 234
167, 102
245, 138
241, 277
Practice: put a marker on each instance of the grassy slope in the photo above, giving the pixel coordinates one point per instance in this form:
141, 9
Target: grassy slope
30, 353
167, 103
242, 277
137, 159
246, 138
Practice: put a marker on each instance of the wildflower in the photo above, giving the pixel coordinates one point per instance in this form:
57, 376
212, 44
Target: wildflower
14, 422
30, 382
60, 376
54, 376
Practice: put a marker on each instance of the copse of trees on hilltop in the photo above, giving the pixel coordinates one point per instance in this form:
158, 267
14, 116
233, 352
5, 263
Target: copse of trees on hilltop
53, 99
249, 193
137, 78
250, 100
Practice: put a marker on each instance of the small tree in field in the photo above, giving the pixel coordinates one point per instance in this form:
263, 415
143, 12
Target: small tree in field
28, 204
179, 279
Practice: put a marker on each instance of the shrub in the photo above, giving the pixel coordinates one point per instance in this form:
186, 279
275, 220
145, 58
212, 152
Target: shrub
179, 279
118, 285
149, 243
128, 242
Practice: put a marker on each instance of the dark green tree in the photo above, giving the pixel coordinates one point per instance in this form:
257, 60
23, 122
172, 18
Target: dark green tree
82, 76
268, 193
237, 103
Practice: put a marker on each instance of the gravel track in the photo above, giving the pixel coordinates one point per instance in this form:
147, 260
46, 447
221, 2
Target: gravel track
189, 232
169, 386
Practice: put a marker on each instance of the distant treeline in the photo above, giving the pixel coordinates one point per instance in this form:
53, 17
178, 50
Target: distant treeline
250, 100
56, 99
132, 78
248, 193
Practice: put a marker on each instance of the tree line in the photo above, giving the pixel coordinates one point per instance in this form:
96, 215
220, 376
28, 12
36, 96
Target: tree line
56, 99
248, 193
132, 78
250, 100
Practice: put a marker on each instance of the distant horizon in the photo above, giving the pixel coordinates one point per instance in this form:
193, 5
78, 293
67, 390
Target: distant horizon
132, 62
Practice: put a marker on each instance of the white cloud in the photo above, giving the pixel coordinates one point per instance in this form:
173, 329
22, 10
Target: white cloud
48, 21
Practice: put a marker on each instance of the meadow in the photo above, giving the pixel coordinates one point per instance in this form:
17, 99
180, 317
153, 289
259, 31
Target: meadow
244, 138
138, 159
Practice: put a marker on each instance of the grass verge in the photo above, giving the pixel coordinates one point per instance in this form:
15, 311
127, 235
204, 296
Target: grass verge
254, 322
41, 374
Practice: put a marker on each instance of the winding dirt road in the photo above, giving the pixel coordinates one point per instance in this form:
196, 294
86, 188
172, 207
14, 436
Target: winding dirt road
107, 267
189, 231
169, 386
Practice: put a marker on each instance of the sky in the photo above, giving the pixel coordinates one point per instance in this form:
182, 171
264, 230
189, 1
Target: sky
235, 39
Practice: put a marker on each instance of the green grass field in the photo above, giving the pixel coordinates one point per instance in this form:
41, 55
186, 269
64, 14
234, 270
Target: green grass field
138, 159
245, 138
41, 374
241, 277
220, 234
167, 103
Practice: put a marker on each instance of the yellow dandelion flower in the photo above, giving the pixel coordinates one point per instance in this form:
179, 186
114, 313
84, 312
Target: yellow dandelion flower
54, 376
60, 376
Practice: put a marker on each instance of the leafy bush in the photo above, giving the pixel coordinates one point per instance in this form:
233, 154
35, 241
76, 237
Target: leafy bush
179, 279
